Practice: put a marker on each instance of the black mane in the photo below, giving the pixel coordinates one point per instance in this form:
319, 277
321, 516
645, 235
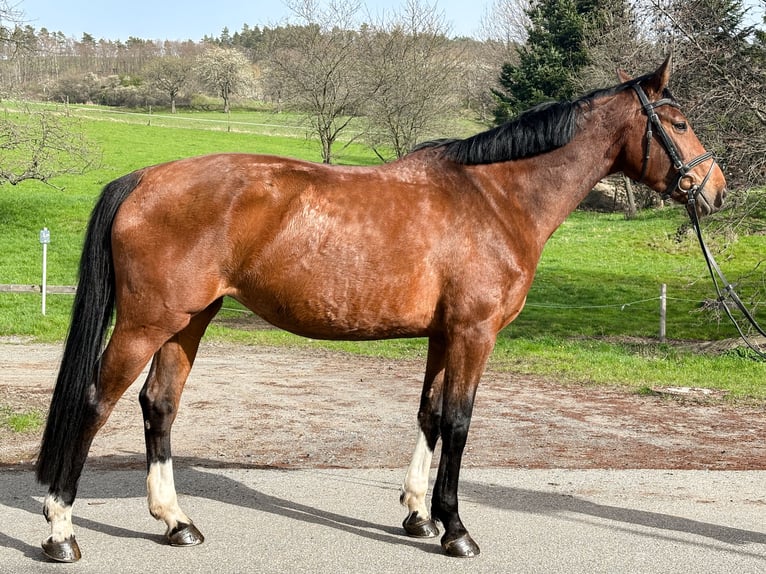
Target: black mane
538, 130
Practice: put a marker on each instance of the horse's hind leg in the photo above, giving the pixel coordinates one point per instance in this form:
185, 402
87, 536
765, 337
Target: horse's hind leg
418, 522
125, 356
159, 400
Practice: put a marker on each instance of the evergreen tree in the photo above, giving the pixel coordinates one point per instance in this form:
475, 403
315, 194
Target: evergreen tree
550, 59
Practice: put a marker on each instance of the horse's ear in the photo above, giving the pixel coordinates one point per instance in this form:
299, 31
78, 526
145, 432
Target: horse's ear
623, 76
659, 81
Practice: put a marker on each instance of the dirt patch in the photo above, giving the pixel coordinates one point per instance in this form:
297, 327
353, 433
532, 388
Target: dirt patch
298, 408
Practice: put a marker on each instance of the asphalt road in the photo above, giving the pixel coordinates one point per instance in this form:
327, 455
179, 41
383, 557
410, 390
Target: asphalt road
336, 521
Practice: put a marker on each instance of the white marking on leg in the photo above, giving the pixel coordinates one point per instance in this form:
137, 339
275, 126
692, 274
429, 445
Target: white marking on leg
415, 484
59, 516
161, 495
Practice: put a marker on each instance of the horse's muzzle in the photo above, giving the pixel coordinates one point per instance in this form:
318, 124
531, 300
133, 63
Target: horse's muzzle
708, 201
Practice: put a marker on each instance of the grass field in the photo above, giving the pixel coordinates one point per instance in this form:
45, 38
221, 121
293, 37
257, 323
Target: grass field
591, 315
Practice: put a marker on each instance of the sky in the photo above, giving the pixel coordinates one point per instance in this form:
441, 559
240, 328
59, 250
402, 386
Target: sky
194, 19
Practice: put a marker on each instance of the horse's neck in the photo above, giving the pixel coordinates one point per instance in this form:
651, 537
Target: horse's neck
550, 186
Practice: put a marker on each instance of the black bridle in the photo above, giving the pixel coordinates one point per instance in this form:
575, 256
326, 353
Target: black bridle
682, 169
724, 289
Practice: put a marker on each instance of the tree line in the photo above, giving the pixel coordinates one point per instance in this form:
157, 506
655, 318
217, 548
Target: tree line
402, 75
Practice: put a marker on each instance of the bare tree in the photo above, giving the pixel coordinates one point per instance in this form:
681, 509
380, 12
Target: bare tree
410, 67
478, 69
505, 24
169, 74
10, 20
36, 144
614, 40
314, 63
226, 71
720, 72
503, 28
40, 145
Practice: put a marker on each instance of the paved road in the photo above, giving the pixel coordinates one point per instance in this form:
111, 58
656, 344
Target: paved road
337, 521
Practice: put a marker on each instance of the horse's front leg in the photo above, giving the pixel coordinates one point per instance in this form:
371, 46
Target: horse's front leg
465, 363
418, 522
159, 400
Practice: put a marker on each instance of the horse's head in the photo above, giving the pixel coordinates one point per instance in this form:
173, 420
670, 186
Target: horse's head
662, 151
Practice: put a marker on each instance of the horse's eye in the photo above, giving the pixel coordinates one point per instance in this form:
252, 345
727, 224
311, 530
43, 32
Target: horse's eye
680, 126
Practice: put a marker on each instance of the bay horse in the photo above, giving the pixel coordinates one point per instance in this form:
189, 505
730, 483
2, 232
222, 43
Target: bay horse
442, 243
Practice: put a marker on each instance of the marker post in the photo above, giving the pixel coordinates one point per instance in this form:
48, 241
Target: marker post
45, 239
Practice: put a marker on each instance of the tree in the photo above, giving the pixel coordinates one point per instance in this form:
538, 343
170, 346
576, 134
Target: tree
613, 38
719, 76
314, 64
168, 74
10, 18
409, 67
225, 71
549, 60
36, 145
39, 145
505, 24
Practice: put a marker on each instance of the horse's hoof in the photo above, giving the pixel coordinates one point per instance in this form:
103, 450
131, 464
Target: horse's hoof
65, 551
418, 527
461, 547
185, 535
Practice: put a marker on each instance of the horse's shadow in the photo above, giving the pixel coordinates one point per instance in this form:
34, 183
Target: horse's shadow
199, 479
580, 510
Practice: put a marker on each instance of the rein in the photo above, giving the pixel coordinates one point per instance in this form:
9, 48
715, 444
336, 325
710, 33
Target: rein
724, 289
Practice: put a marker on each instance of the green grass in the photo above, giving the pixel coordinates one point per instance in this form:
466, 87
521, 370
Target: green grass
600, 276
635, 365
596, 290
20, 422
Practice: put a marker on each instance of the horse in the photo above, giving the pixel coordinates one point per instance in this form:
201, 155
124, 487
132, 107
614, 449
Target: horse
441, 244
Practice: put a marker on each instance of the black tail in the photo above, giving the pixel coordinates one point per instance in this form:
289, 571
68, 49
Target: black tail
91, 315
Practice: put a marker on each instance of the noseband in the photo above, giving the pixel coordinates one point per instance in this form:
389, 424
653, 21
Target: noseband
682, 169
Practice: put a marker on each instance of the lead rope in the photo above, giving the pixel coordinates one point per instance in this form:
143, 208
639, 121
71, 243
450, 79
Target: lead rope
727, 290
